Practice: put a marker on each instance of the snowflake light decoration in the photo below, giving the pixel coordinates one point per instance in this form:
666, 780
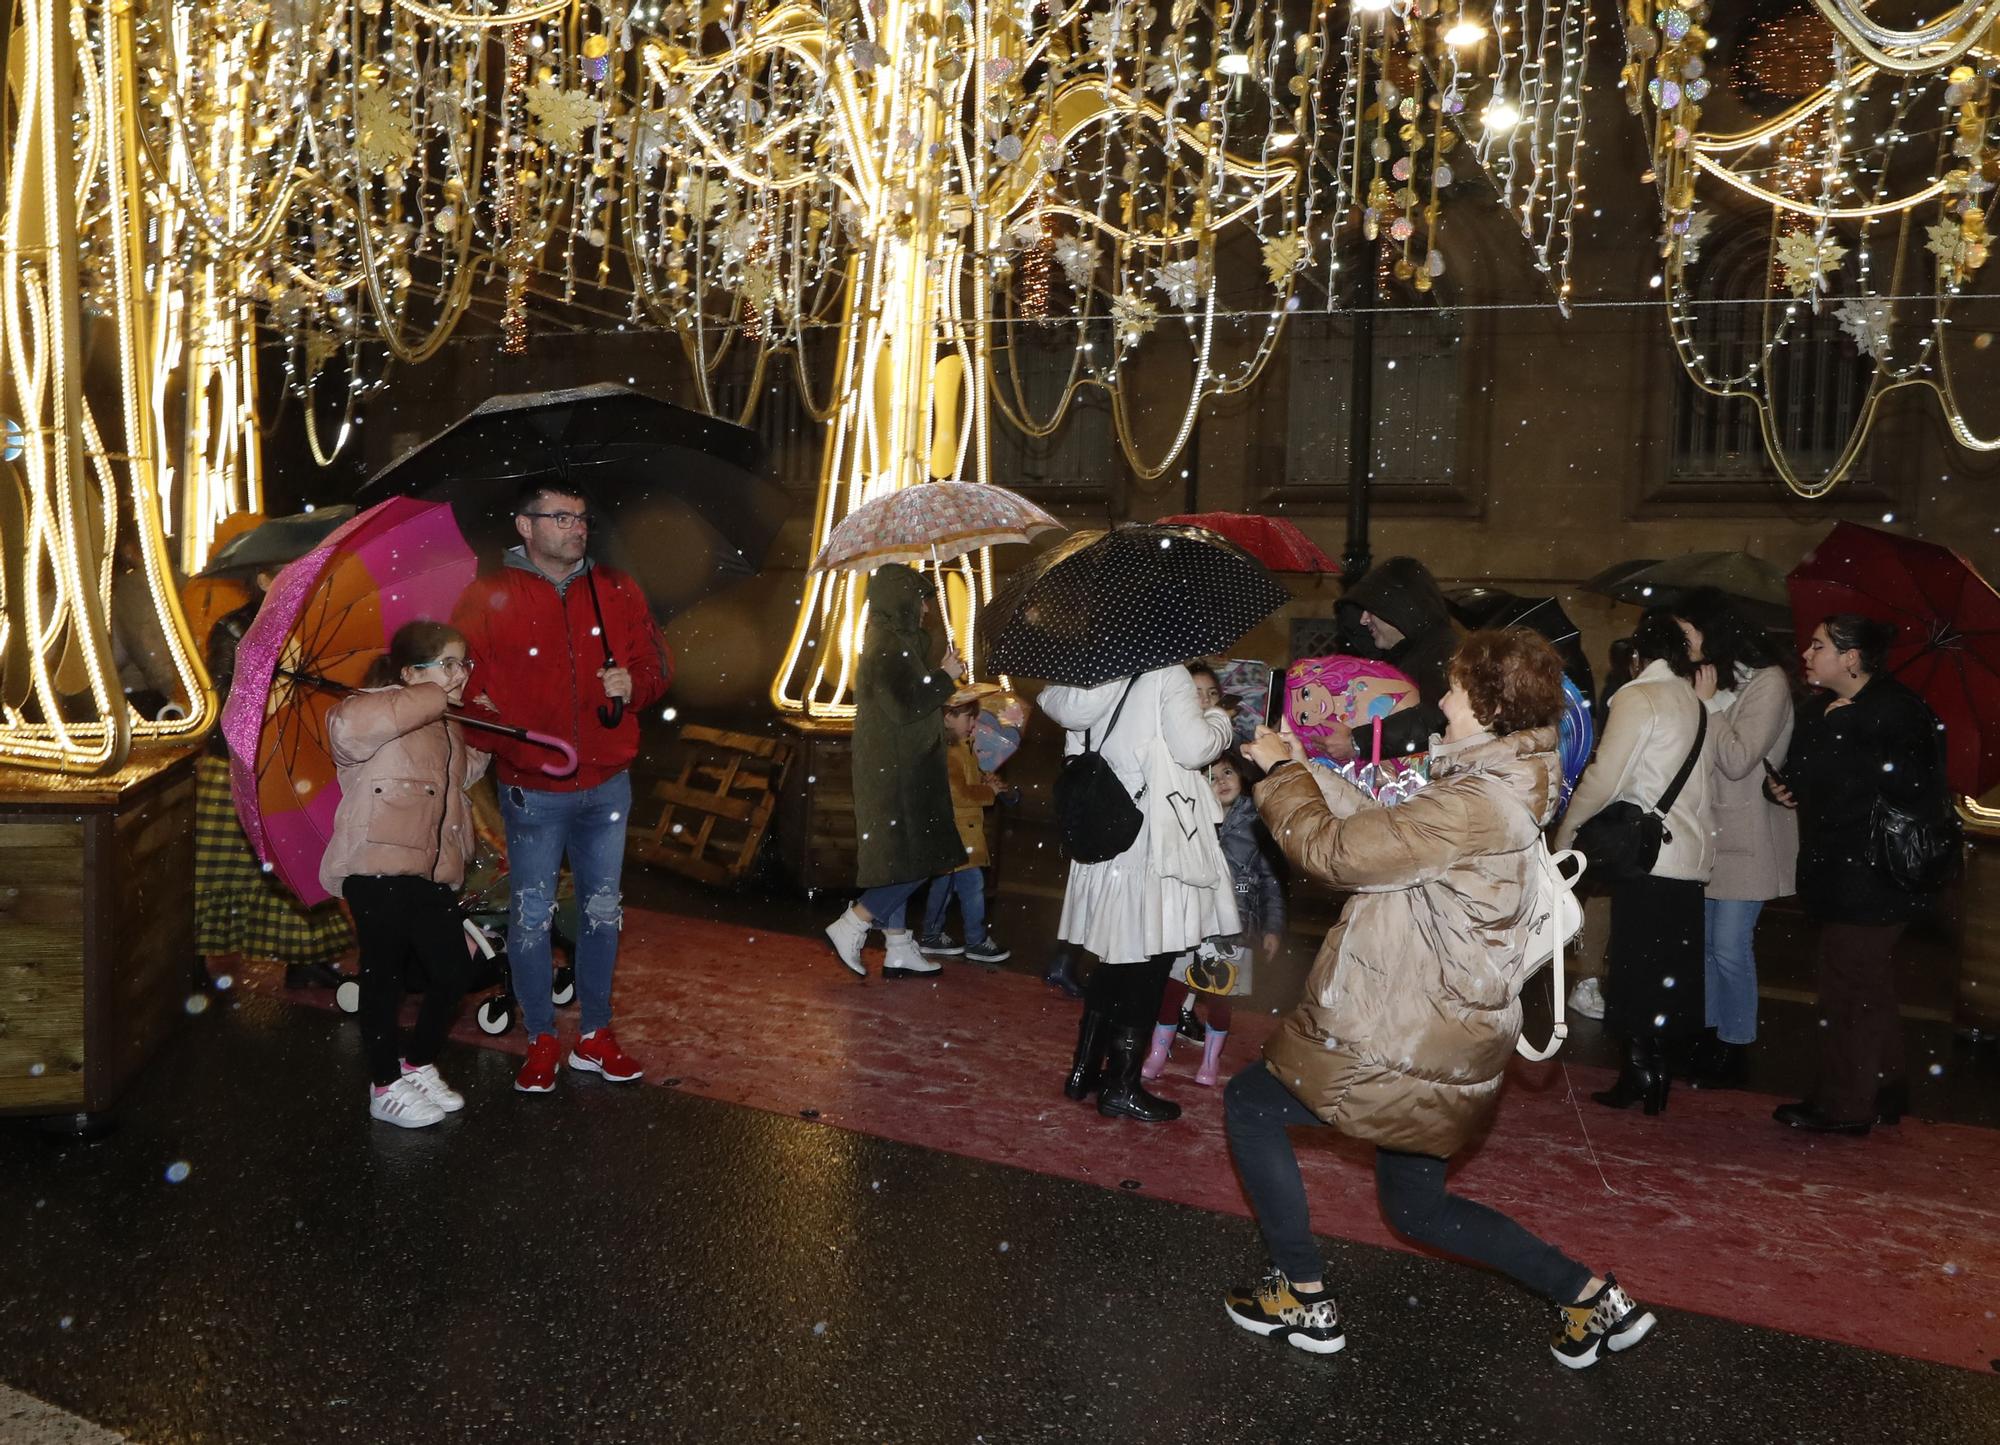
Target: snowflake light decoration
1807, 260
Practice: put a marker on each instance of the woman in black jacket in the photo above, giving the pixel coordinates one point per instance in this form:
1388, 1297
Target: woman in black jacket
1862, 737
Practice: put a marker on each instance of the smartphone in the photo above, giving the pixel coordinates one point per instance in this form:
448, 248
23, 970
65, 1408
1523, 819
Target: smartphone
1771, 772
1274, 700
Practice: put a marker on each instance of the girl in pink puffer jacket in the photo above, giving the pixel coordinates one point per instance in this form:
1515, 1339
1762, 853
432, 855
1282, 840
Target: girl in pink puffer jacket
401, 839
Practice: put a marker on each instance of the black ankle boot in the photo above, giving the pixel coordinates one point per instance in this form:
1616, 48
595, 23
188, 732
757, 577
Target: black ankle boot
1892, 1101
1061, 973
1720, 1066
1653, 1066
1086, 1068
1636, 1082
1123, 1095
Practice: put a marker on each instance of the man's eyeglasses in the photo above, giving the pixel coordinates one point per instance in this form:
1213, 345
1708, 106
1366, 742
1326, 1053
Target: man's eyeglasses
564, 521
448, 664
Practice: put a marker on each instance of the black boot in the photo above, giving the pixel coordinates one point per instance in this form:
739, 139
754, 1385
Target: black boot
1658, 1080
1892, 1101
1087, 1067
1718, 1065
1123, 1094
1061, 973
1635, 1079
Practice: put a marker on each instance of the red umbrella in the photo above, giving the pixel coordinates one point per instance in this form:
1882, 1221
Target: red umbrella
1947, 619
1275, 542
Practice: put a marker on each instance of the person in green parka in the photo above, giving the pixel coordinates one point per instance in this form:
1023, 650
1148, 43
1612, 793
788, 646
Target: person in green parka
902, 793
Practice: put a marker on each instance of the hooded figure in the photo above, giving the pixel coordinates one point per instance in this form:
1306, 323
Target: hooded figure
902, 793
1402, 593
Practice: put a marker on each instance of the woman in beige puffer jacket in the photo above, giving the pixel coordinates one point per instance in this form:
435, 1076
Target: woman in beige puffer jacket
1413, 1005
401, 838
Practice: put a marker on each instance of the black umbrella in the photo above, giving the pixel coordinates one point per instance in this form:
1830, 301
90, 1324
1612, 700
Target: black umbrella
684, 497
1477, 607
1753, 583
1100, 605
270, 545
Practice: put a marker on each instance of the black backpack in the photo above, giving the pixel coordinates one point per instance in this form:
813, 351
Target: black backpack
1097, 818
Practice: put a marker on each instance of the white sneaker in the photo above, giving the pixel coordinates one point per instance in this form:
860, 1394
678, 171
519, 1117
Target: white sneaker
442, 1094
903, 958
846, 935
406, 1103
1587, 998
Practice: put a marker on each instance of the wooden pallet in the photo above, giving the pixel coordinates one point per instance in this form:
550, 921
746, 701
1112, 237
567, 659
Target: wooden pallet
716, 811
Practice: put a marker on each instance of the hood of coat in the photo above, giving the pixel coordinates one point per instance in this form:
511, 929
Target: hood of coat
896, 599
1403, 593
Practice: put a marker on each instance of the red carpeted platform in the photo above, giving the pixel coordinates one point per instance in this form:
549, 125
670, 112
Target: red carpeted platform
1890, 1242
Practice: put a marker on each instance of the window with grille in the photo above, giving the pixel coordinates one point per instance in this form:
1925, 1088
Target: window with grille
1080, 457
1415, 410
1818, 378
792, 440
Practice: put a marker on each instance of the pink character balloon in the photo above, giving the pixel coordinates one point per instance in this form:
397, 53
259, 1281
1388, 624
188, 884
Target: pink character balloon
1351, 691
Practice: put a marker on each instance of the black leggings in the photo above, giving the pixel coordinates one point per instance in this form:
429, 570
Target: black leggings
1128, 994
1410, 1188
400, 921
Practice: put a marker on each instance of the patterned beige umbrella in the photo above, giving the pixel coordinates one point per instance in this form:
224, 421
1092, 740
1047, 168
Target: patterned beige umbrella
934, 522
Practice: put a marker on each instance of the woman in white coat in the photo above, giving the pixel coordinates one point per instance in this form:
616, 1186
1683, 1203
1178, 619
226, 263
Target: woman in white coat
1164, 894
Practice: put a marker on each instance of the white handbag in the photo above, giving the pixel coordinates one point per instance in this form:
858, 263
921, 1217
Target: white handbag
1556, 920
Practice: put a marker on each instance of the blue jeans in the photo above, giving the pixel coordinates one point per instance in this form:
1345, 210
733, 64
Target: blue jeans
885, 902
969, 886
543, 826
1729, 968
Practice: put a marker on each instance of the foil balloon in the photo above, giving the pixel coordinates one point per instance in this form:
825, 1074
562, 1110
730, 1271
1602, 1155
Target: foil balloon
1350, 691
996, 736
1579, 736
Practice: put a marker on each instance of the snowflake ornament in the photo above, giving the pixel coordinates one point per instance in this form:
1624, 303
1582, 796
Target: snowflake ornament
1867, 322
1958, 253
562, 116
1282, 255
1133, 316
383, 135
1691, 233
1807, 260
1181, 282
1078, 260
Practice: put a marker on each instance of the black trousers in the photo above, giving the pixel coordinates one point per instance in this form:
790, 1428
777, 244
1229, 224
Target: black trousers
408, 930
1861, 1032
1654, 960
1410, 1188
1128, 994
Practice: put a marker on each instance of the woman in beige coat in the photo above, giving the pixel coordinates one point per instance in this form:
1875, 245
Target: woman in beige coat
401, 838
1748, 692
1653, 988
1413, 1005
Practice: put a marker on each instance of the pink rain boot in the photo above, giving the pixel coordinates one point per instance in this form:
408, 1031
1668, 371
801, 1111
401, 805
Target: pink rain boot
1211, 1055
1156, 1057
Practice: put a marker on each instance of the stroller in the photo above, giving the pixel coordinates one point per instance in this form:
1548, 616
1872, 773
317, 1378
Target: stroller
482, 907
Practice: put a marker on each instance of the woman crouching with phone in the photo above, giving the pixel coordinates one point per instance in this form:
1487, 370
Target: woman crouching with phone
401, 839
1413, 1007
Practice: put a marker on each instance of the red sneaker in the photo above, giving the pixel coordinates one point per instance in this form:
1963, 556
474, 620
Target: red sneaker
598, 1053
538, 1074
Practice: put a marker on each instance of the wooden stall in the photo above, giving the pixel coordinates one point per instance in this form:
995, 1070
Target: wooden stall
96, 928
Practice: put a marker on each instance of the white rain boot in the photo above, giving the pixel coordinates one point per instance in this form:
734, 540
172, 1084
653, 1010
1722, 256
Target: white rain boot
903, 958
845, 936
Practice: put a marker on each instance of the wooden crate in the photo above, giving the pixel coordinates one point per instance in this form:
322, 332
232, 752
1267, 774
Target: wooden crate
816, 833
716, 809
96, 928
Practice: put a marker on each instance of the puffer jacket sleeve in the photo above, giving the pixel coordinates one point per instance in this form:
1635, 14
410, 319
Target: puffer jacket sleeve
1195, 736
364, 722
1378, 848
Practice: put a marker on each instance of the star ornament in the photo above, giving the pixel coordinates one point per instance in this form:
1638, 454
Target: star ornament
1807, 260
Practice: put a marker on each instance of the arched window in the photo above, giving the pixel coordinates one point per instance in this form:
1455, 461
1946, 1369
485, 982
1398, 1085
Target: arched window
1816, 376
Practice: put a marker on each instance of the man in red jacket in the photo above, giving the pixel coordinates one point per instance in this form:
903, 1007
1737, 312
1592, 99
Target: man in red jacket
538, 633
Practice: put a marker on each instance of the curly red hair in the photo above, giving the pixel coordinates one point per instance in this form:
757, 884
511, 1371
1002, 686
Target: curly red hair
1512, 678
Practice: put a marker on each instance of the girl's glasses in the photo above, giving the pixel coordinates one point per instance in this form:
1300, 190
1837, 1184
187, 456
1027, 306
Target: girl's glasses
448, 664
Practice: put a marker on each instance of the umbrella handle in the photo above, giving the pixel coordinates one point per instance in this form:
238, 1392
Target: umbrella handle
554, 770
612, 712
944, 613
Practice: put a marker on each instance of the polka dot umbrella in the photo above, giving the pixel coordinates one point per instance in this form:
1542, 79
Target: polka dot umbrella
1100, 605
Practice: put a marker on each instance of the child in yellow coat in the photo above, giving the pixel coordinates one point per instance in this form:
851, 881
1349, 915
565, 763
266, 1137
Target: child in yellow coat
973, 791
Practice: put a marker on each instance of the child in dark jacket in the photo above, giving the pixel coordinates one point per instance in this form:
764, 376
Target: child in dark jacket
1260, 904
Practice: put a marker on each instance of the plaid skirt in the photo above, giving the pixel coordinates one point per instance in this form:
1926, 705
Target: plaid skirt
238, 907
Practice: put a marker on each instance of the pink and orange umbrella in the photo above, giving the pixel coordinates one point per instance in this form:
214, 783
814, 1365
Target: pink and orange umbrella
326, 619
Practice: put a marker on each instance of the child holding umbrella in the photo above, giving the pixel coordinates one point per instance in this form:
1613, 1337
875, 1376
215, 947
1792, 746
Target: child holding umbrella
402, 837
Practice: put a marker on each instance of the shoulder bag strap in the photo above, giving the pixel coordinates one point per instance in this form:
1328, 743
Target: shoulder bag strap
1110, 726
1666, 802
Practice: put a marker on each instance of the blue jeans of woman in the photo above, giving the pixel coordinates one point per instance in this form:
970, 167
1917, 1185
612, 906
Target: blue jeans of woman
1410, 1188
885, 902
543, 826
1729, 968
968, 886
